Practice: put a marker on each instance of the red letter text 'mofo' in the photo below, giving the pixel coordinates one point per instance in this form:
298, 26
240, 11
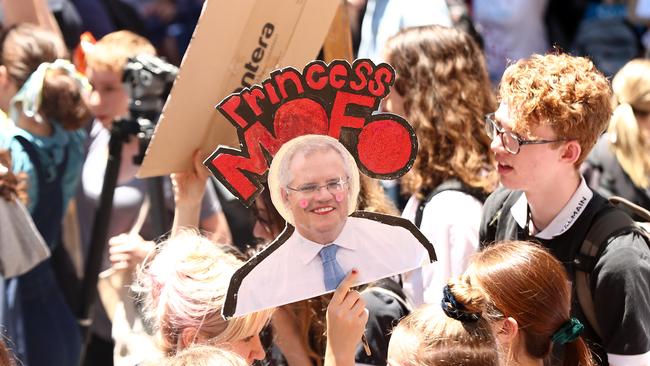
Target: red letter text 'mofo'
339, 100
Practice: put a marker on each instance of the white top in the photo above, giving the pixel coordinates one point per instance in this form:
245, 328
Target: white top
451, 222
563, 220
384, 18
294, 271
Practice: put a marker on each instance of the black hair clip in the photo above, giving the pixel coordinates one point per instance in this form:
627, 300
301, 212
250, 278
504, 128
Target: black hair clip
454, 309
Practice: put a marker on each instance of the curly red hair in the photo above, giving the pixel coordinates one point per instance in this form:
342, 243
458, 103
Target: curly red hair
563, 92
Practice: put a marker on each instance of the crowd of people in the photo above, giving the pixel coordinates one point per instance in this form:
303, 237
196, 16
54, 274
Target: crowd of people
522, 152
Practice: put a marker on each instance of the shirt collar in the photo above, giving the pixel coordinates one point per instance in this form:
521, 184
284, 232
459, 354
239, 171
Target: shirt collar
563, 220
309, 249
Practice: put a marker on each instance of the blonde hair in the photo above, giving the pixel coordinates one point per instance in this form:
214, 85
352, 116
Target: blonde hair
204, 355
631, 87
563, 92
185, 286
430, 337
112, 51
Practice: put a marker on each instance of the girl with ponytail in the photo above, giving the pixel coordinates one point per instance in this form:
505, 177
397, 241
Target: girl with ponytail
45, 99
528, 302
456, 332
619, 164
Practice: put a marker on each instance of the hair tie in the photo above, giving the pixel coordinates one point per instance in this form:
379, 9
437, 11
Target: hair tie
568, 332
454, 309
30, 93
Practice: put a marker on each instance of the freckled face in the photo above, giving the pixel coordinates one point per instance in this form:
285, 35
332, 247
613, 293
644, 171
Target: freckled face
534, 165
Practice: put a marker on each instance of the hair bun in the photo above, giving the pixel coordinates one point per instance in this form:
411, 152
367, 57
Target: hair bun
456, 309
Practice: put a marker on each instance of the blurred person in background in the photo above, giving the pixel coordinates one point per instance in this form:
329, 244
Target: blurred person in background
45, 98
126, 248
443, 91
619, 164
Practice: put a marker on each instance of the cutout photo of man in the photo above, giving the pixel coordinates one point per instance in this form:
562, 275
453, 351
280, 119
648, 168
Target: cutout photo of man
314, 185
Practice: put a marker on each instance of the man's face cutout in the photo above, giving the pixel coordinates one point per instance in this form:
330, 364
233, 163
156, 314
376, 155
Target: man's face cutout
321, 214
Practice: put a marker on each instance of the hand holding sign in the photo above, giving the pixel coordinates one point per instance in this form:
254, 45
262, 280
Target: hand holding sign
346, 321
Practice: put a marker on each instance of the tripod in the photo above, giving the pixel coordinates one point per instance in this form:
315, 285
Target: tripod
121, 131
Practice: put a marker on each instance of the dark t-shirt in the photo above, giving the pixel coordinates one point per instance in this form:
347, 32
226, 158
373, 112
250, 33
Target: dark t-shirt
604, 174
385, 310
620, 280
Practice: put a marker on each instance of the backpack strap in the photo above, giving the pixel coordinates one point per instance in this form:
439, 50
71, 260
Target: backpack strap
452, 184
608, 224
390, 287
495, 215
631, 207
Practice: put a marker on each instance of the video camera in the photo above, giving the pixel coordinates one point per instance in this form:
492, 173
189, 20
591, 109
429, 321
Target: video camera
148, 81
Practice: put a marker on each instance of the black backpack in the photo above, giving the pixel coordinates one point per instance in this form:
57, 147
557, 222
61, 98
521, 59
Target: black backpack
607, 224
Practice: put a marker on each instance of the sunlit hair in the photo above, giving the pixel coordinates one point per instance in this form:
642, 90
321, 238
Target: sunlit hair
631, 87
185, 285
6, 357
442, 76
563, 92
280, 175
428, 337
524, 281
204, 355
373, 198
24, 47
112, 51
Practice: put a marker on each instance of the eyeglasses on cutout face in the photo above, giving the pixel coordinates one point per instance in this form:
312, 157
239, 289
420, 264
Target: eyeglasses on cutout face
310, 189
511, 142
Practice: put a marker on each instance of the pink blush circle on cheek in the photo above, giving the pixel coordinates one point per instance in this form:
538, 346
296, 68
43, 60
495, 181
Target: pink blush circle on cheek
339, 196
303, 203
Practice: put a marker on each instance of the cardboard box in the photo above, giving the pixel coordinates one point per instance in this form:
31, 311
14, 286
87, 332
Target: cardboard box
235, 44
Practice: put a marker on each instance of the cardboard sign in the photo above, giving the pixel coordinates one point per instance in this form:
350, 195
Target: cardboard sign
338, 100
310, 134
235, 44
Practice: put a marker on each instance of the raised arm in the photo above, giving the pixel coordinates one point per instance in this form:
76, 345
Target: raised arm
189, 188
30, 11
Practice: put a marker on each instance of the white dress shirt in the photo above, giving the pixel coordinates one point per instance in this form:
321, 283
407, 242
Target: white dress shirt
563, 220
294, 271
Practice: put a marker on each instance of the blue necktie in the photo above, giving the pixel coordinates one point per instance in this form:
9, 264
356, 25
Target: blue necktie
332, 272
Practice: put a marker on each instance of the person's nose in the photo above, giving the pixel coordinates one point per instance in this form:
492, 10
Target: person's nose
496, 145
322, 194
257, 350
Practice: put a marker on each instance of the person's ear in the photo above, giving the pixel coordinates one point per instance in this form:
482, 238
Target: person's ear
571, 152
188, 336
508, 331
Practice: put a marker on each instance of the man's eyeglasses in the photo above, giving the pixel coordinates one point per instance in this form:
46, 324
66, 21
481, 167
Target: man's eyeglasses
332, 187
511, 142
